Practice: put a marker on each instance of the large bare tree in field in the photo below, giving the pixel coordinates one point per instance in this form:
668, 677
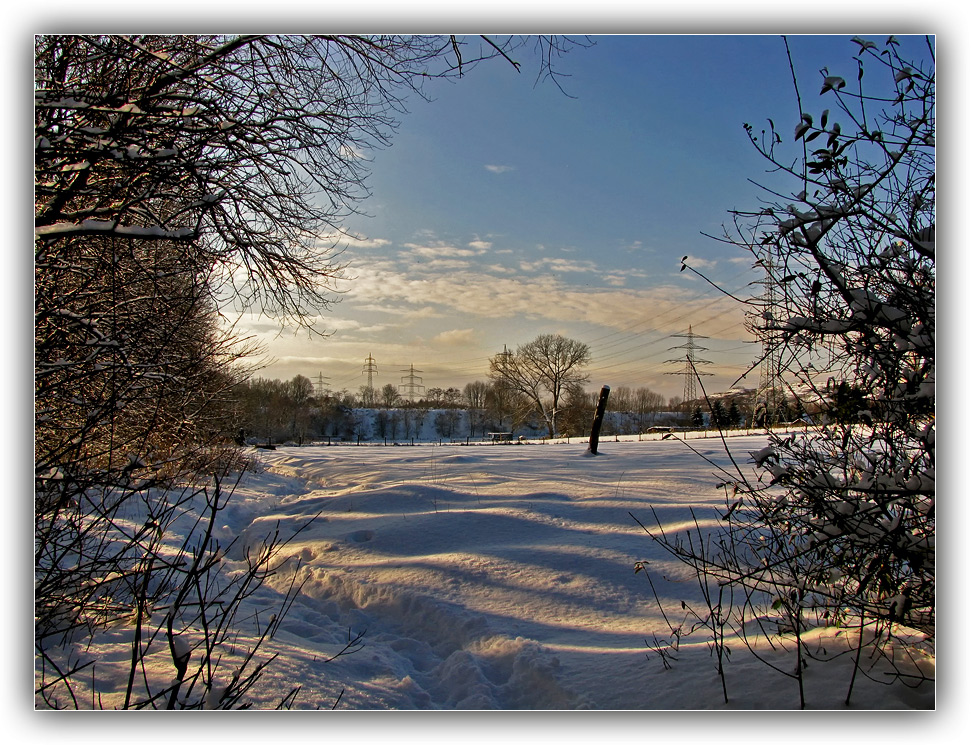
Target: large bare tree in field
178, 178
542, 371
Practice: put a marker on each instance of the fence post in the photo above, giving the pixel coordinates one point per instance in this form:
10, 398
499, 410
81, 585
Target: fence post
598, 419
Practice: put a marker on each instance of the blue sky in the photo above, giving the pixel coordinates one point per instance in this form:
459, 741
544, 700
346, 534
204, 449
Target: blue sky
505, 209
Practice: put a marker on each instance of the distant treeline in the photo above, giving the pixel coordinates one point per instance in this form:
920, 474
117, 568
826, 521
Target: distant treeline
279, 411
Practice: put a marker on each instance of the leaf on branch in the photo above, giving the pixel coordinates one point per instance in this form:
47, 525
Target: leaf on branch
834, 134
804, 125
832, 83
731, 510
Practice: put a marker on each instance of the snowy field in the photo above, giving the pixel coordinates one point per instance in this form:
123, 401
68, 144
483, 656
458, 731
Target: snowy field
502, 577
499, 577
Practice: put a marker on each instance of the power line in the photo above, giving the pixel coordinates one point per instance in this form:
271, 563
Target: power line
655, 320
639, 343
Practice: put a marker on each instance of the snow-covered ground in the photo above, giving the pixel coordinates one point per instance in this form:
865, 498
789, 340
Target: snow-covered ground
501, 577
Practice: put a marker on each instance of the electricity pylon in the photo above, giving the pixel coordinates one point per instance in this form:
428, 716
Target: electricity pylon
370, 367
503, 359
413, 386
691, 362
770, 396
319, 384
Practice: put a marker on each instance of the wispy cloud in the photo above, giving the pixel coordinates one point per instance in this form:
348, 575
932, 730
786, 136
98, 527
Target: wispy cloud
499, 169
698, 263
401, 310
265, 328
441, 251
352, 239
455, 338
557, 264
746, 259
500, 269
486, 294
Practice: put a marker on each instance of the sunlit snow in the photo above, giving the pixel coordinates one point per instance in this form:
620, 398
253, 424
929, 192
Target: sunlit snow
499, 577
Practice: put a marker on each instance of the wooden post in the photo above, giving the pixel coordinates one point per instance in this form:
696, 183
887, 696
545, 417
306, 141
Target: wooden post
598, 419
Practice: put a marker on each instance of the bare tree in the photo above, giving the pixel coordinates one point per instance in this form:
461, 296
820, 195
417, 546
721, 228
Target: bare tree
648, 404
475, 397
542, 371
839, 527
475, 394
177, 178
505, 407
225, 144
368, 396
576, 412
390, 396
